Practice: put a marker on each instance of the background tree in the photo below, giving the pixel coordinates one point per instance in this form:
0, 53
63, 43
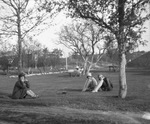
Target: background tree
76, 56
45, 56
4, 62
124, 19
86, 39
7, 55
48, 58
20, 17
33, 49
55, 56
57, 52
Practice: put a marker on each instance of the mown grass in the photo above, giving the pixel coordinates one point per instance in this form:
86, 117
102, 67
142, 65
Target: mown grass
51, 90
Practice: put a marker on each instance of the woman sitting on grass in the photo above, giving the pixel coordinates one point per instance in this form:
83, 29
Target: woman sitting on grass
104, 83
90, 83
22, 88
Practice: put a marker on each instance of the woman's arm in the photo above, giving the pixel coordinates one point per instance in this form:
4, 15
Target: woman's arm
27, 84
21, 85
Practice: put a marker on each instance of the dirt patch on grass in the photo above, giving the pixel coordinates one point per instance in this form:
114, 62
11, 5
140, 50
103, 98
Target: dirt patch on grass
108, 117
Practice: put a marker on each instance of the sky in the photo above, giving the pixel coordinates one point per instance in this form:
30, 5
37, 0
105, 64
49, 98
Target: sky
49, 37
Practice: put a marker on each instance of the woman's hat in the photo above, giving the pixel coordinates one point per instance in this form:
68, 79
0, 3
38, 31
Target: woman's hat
77, 67
22, 74
89, 74
100, 76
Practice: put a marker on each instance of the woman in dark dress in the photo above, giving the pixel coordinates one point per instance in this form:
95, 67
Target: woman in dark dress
104, 83
22, 88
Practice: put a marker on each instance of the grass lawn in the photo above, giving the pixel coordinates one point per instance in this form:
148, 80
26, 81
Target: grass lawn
62, 102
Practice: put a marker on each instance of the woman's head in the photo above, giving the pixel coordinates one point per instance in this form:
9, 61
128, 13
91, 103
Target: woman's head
21, 76
89, 75
100, 77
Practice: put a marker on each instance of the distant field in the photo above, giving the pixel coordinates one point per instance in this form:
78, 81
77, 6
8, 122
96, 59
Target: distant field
52, 97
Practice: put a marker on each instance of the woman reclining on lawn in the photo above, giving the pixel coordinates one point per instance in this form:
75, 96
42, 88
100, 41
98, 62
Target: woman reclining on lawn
92, 85
22, 88
104, 83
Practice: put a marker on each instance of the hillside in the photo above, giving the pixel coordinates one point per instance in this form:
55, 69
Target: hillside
141, 61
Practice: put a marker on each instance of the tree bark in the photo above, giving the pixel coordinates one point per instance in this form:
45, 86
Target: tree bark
19, 44
85, 66
122, 76
122, 64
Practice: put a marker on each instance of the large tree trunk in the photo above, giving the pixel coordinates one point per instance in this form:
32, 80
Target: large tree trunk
122, 49
122, 76
122, 65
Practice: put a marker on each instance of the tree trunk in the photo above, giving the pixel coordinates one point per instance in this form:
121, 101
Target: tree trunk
122, 49
89, 67
122, 66
19, 43
19, 54
122, 76
85, 66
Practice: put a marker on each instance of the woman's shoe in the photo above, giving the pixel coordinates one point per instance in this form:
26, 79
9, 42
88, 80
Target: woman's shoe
36, 96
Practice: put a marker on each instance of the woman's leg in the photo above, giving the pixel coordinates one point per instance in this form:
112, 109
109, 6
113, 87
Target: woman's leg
98, 86
31, 93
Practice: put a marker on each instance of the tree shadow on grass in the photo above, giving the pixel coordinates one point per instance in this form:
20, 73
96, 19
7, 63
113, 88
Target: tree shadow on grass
117, 98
